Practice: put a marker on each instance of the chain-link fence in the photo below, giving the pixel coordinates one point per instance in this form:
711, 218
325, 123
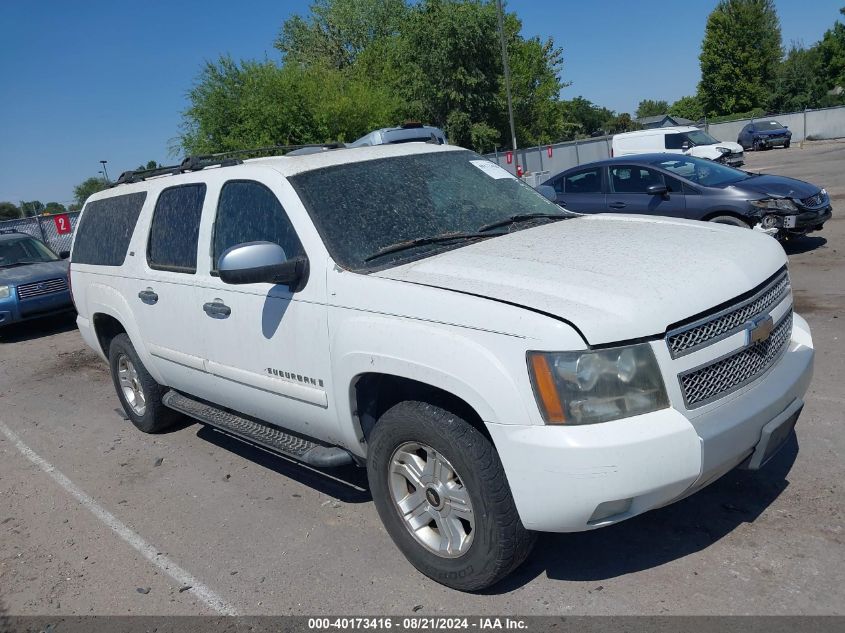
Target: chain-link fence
54, 230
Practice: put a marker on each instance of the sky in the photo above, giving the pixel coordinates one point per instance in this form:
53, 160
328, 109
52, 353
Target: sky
82, 82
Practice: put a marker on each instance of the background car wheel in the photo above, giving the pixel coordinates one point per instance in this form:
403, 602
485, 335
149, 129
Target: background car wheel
442, 494
138, 392
730, 219
786, 144
755, 145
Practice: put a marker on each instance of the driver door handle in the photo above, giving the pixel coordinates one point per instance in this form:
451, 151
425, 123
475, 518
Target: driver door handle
217, 309
148, 296
617, 205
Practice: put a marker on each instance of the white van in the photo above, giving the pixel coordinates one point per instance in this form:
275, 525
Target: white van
678, 140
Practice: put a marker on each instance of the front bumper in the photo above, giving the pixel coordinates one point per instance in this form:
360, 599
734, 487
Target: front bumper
560, 477
13, 310
773, 141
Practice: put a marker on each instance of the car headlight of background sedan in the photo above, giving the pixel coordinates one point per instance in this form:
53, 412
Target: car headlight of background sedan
5, 292
596, 386
775, 204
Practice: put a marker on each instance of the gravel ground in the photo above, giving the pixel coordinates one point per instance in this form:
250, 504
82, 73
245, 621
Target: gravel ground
265, 536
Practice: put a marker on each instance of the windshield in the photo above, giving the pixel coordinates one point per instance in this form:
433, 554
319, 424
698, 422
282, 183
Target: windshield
24, 250
701, 171
363, 208
697, 137
770, 125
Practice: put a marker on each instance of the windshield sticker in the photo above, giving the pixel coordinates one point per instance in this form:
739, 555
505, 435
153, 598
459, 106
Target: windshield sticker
492, 169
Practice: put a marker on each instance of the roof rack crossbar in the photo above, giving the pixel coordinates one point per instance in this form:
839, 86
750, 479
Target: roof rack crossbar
278, 149
221, 159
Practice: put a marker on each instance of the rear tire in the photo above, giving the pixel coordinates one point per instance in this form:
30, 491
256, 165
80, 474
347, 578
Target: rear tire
138, 392
786, 145
457, 524
731, 220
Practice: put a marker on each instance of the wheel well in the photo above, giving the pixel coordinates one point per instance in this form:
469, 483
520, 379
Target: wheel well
733, 214
373, 394
107, 327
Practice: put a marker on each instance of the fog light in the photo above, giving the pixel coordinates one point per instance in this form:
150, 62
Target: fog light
769, 221
609, 509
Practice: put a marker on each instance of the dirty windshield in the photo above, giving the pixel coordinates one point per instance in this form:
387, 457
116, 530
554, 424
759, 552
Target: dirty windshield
364, 210
24, 251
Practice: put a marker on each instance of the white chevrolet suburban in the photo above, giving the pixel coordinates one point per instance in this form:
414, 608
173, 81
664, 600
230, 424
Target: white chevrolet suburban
500, 366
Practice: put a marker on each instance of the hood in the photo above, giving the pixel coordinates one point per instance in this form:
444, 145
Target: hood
768, 186
33, 272
710, 151
615, 278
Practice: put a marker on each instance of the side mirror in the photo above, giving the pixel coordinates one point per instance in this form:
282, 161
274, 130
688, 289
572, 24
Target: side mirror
262, 262
64, 254
657, 190
685, 146
548, 192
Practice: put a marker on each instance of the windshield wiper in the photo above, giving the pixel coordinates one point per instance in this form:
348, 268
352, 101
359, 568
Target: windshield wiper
12, 265
522, 217
422, 241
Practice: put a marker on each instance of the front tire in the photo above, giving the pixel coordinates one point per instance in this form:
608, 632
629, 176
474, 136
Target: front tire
139, 393
731, 220
442, 494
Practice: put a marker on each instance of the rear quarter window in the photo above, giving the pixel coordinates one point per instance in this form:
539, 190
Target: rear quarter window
106, 228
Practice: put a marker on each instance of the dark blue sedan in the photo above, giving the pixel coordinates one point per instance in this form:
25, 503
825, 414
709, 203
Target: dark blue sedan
693, 188
759, 135
33, 279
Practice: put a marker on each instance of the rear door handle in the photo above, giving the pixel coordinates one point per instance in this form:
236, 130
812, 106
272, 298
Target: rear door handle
617, 205
148, 296
217, 309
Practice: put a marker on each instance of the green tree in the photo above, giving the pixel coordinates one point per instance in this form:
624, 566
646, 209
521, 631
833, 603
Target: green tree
648, 107
256, 104
54, 208
688, 107
351, 66
831, 50
150, 164
32, 208
87, 188
336, 31
581, 118
739, 56
9, 211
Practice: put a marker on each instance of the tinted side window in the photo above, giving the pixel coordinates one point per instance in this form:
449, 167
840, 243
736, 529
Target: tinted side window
674, 141
249, 212
106, 229
175, 229
584, 181
633, 179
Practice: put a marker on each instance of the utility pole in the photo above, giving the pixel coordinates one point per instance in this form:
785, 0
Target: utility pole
507, 83
105, 171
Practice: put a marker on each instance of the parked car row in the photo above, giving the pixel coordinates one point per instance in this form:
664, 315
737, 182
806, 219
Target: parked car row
692, 188
499, 365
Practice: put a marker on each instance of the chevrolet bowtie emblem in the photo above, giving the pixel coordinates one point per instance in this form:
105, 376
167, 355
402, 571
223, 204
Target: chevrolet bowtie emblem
758, 329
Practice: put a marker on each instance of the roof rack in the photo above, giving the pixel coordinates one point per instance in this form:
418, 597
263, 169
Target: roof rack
221, 159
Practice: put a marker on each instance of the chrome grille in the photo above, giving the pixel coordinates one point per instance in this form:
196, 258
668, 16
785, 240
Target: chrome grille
690, 337
39, 288
814, 201
717, 379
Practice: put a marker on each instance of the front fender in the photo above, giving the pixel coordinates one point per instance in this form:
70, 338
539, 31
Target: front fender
484, 369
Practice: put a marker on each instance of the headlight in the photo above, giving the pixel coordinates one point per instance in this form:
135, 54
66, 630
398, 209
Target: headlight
724, 150
5, 292
777, 204
596, 386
